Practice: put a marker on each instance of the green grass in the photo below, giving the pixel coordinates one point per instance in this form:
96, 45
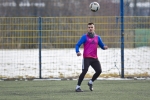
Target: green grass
65, 90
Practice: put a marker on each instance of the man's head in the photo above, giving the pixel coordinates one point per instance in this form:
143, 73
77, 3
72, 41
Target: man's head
91, 30
91, 27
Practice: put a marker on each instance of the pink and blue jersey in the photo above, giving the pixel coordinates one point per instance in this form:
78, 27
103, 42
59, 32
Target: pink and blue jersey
89, 45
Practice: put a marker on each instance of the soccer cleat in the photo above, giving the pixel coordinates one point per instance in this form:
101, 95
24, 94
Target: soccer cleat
90, 86
79, 90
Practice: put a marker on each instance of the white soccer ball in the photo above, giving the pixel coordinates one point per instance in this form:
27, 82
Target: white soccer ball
94, 6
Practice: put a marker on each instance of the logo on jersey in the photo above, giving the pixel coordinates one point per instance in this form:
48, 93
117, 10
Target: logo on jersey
92, 42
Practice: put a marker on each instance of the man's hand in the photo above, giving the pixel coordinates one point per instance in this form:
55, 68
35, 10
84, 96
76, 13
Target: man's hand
105, 47
78, 54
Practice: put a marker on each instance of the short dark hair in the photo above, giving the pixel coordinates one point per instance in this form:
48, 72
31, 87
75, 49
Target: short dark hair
91, 23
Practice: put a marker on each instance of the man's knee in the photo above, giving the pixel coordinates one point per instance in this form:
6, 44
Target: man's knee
98, 71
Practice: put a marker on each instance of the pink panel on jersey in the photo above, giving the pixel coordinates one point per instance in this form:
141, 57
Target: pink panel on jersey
90, 47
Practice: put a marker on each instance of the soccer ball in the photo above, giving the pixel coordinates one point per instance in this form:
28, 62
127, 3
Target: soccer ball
94, 6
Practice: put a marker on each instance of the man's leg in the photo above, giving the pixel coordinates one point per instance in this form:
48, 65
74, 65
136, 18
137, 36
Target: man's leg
97, 67
85, 66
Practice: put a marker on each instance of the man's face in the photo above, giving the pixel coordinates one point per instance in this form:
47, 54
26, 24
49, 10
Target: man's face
91, 28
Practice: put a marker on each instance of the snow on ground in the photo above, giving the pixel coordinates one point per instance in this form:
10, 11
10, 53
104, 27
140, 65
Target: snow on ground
58, 63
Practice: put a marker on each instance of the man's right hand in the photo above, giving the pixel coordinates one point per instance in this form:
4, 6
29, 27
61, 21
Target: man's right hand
78, 54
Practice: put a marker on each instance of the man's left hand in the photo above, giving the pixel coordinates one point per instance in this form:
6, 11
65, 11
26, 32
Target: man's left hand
105, 47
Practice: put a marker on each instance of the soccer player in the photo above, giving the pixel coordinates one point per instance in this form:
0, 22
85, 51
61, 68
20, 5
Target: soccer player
90, 43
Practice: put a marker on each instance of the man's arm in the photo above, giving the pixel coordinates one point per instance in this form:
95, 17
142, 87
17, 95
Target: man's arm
79, 43
101, 44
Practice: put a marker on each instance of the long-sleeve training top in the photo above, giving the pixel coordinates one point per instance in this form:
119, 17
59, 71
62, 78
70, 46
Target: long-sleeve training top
90, 45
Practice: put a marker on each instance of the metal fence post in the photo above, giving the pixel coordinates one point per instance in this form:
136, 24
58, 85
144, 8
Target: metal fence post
40, 45
122, 37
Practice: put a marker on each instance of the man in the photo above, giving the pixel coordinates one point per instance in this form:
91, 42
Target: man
90, 43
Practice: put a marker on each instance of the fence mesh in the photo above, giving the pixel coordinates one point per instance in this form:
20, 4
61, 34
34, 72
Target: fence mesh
19, 46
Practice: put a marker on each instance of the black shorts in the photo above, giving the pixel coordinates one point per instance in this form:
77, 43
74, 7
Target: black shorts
94, 63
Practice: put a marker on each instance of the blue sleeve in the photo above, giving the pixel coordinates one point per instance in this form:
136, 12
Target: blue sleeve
80, 42
100, 42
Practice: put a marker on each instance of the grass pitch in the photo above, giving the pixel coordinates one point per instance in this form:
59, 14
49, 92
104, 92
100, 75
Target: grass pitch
65, 90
